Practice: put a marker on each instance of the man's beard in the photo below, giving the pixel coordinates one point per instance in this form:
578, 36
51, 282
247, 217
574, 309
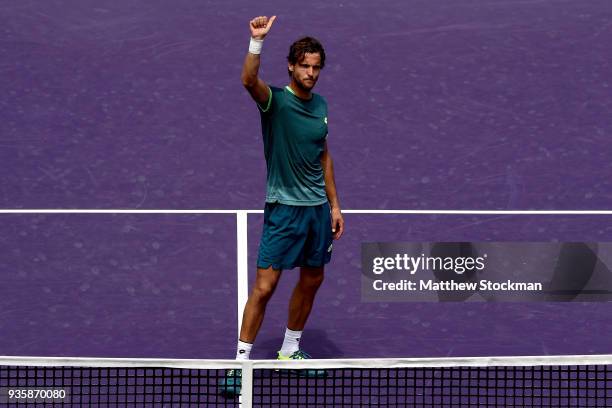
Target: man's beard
304, 86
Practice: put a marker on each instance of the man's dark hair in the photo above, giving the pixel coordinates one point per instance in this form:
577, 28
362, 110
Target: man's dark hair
302, 46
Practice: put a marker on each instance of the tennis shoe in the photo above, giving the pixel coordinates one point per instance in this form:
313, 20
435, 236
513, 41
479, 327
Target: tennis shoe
302, 355
230, 385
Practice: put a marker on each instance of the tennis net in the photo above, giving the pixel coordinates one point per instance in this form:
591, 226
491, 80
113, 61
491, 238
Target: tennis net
542, 381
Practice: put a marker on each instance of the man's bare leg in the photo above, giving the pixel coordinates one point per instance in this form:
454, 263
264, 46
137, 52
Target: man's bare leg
303, 296
300, 306
253, 315
255, 308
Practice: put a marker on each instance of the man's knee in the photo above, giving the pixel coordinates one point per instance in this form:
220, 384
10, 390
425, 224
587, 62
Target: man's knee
263, 291
265, 284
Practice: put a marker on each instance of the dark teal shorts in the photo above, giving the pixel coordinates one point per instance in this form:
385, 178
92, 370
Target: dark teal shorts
295, 236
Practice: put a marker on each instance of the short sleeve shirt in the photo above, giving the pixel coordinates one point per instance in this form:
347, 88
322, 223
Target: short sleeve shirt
294, 133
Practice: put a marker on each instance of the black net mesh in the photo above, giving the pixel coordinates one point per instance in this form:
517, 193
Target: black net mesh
421, 387
415, 387
111, 387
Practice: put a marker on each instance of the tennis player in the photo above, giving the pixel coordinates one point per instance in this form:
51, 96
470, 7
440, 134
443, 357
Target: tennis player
302, 212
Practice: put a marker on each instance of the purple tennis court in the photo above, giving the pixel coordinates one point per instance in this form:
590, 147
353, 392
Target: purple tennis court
433, 105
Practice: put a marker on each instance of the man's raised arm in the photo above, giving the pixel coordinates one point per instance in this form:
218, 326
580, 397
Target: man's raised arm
257, 88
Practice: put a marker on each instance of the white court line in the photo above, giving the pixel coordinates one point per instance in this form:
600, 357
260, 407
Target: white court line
483, 212
243, 263
114, 211
413, 212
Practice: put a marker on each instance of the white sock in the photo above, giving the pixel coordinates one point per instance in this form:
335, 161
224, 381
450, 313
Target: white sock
291, 344
243, 351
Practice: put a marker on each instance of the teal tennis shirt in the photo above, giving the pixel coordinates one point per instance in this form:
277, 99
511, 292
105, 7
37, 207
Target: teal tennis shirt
294, 132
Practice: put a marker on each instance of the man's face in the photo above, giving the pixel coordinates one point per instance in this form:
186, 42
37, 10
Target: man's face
306, 72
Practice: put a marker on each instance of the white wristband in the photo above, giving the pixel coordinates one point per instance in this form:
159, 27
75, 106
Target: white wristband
255, 46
